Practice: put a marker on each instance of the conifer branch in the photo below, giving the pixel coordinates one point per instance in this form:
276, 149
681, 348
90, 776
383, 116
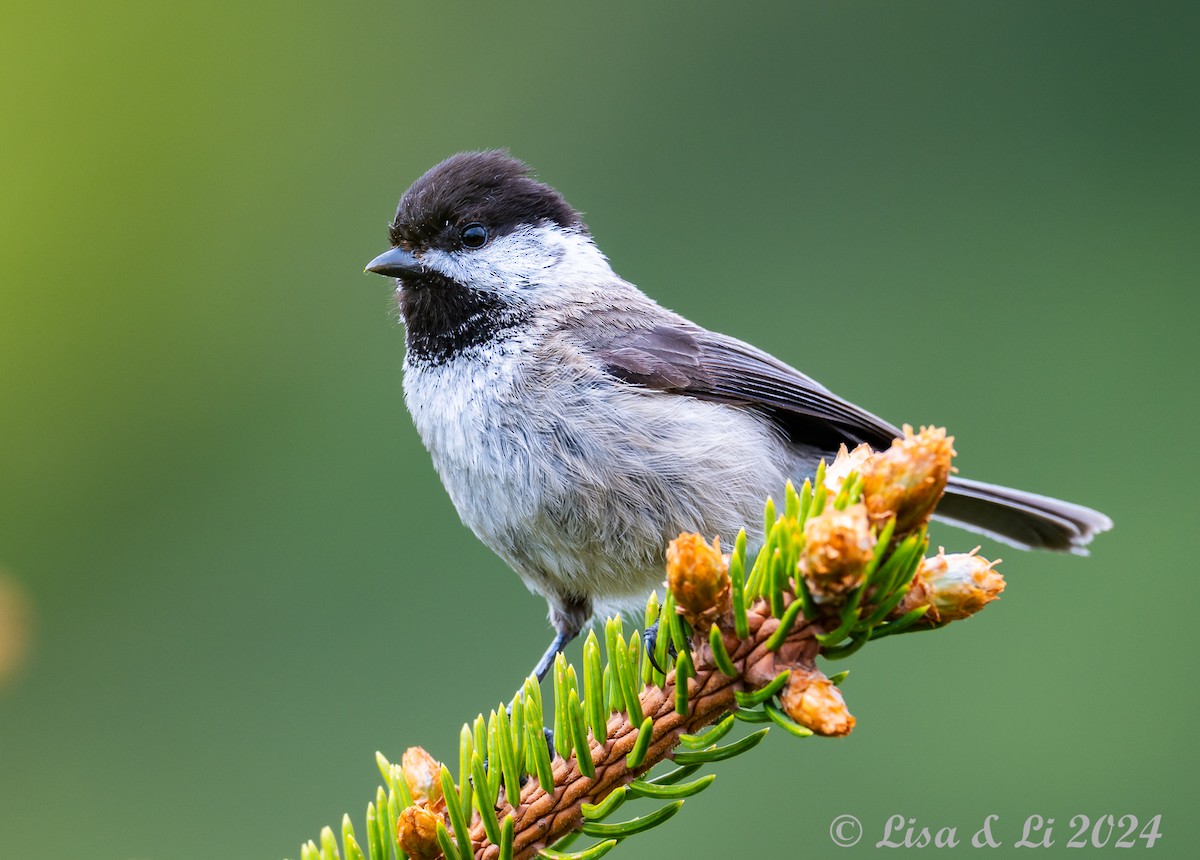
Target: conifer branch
542, 817
843, 564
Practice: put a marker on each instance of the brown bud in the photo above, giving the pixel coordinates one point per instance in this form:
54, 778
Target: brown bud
423, 775
907, 480
698, 576
954, 586
815, 702
837, 547
844, 464
417, 832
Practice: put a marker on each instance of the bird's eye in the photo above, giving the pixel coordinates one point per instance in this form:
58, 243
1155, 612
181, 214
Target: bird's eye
474, 235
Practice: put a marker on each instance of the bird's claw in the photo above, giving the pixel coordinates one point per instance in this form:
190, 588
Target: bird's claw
650, 643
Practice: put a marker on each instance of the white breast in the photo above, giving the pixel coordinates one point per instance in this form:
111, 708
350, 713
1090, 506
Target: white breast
463, 411
570, 481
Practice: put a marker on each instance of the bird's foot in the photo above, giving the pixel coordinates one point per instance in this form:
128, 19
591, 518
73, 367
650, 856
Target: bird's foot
650, 643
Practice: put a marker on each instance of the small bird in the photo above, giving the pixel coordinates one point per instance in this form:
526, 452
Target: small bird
579, 426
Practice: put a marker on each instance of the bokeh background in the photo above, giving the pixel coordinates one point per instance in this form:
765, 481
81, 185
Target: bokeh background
229, 572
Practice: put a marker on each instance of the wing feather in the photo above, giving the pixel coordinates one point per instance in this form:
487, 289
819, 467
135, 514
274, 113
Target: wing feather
683, 358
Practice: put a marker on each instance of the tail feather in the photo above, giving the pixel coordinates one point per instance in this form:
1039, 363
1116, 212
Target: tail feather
1022, 519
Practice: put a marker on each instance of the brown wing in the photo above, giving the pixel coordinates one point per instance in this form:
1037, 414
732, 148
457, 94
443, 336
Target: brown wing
686, 359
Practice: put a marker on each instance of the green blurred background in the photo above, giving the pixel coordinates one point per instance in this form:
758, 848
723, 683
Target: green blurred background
230, 572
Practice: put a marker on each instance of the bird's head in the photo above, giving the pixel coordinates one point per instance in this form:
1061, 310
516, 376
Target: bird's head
480, 222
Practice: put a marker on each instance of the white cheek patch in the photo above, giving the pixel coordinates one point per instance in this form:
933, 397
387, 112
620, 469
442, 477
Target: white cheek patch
541, 259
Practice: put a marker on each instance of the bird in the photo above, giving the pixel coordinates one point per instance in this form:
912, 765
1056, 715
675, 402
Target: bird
578, 426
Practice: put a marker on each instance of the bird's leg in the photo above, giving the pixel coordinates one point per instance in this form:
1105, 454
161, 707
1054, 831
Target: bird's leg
567, 615
562, 638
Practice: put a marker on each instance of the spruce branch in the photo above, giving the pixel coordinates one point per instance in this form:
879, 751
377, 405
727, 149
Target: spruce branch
843, 564
543, 817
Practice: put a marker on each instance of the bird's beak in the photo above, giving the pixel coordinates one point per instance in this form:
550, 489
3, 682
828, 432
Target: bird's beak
395, 263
